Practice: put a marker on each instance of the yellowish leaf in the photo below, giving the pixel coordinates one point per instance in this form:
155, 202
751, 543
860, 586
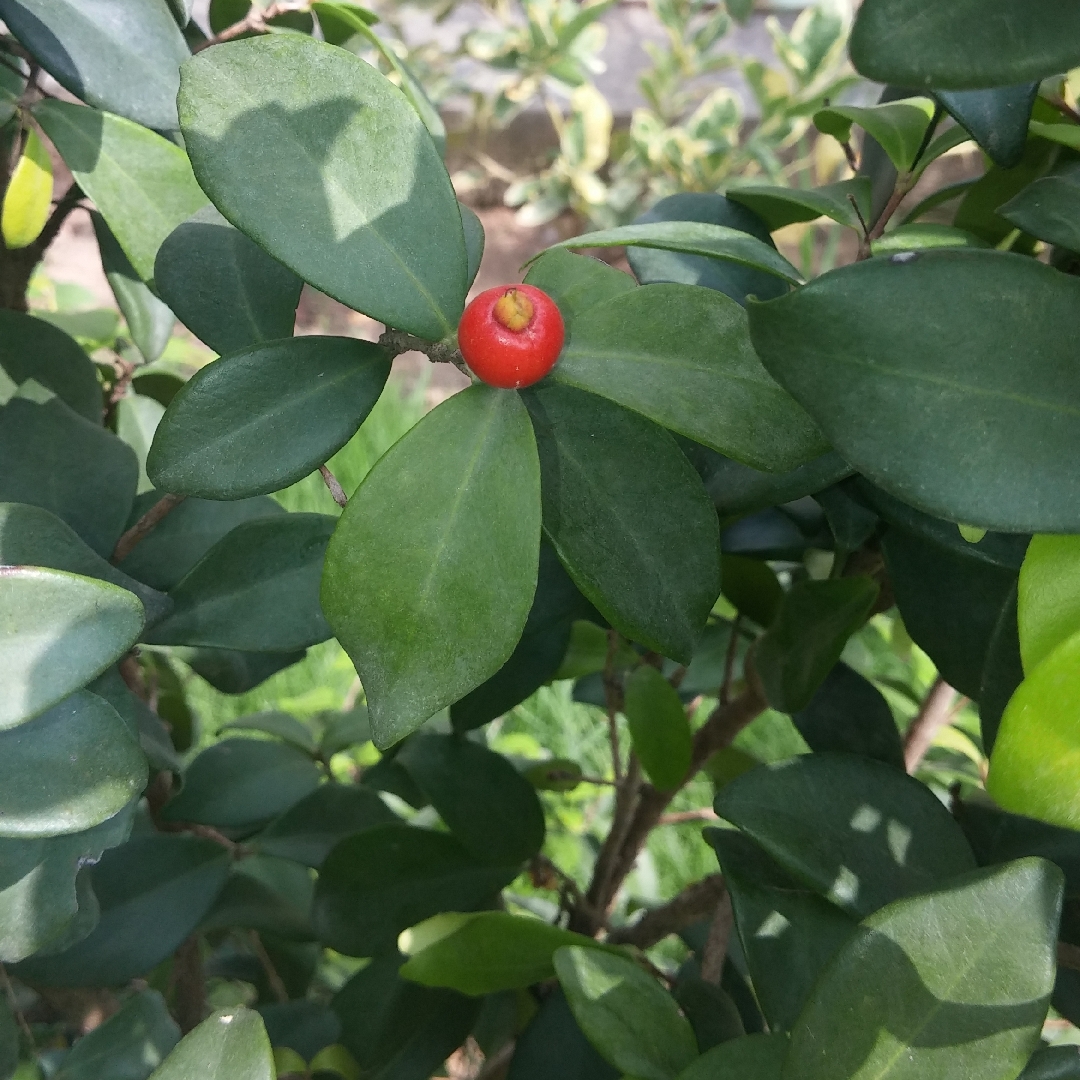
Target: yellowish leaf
26, 201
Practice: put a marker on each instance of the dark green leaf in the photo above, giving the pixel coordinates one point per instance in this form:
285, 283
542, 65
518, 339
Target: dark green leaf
704, 382
909, 997
226, 13
256, 589
634, 1024
282, 725
964, 45
238, 783
474, 240
880, 835
69, 466
553, 1045
9, 1042
265, 417
130, 1045
710, 1009
223, 286
149, 321
654, 265
628, 517
154, 890
484, 801
576, 282
248, 903
381, 233
851, 521
151, 381
997, 119
898, 127
753, 1057
141, 183
145, 724
780, 206
752, 587
304, 1026
809, 634
432, 569
1053, 1063
659, 728
1049, 208
375, 884
234, 672
310, 828
389, 775
31, 348
118, 58
344, 729
68, 770
1003, 672
232, 1043
932, 388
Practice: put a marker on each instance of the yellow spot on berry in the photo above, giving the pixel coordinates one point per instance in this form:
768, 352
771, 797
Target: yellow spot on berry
513, 309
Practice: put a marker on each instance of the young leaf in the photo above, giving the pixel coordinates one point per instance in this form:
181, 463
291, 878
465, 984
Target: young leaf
659, 728
780, 206
900, 1002
899, 127
1049, 596
230, 1043
432, 569
28, 195
576, 282
997, 119
264, 418
752, 1057
634, 1024
705, 382
380, 233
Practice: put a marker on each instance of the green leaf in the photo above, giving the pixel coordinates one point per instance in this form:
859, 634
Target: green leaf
997, 118
711, 1010
780, 206
67, 770
120, 59
681, 355
223, 286
378, 882
1049, 596
752, 1057
256, 589
234, 672
282, 725
924, 236
848, 714
908, 996
1053, 1063
137, 420
879, 836
899, 127
30, 536
1049, 208
149, 321
57, 632
788, 933
432, 570
12, 86
694, 238
238, 783
311, 827
9, 1042
250, 903
141, 183
628, 517
305, 1027
232, 1043
484, 801
752, 587
655, 265
921, 379
659, 728
474, 241
1003, 671
265, 417
28, 195
92, 330
154, 736
966, 45
154, 890
634, 1024
576, 282
380, 233
173, 547
30, 348
491, 951
799, 650
129, 1045
1064, 134
554, 1045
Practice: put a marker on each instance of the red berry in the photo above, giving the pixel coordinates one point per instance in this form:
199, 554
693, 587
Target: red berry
511, 335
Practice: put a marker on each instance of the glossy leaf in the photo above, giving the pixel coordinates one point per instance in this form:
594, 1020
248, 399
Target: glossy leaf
628, 517
28, 195
230, 1043
911, 367
881, 835
634, 1024
241, 782
654, 265
576, 282
57, 632
223, 287
1049, 208
997, 118
378, 882
256, 589
898, 127
659, 728
474, 241
431, 572
968, 45
264, 418
381, 234
923, 236
705, 382
908, 997
753, 1057
484, 801
554, 1045
1049, 596
814, 623
780, 206
141, 183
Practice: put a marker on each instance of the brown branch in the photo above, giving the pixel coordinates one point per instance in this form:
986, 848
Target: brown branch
613, 697
849, 153
1068, 956
684, 816
729, 661
335, 489
496, 1065
277, 985
716, 945
936, 711
254, 22
126, 544
695, 903
190, 983
397, 341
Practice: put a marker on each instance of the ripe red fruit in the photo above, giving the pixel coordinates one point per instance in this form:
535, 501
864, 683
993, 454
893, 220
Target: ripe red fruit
511, 335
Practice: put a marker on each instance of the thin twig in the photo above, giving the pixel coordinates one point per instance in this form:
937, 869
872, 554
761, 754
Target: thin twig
254, 22
677, 676
694, 904
348, 703
859, 214
137, 533
337, 492
497, 1061
716, 945
849, 153
681, 817
613, 699
936, 712
397, 342
190, 983
277, 985
729, 661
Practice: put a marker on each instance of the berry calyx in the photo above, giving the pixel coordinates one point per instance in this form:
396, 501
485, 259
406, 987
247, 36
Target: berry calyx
511, 336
